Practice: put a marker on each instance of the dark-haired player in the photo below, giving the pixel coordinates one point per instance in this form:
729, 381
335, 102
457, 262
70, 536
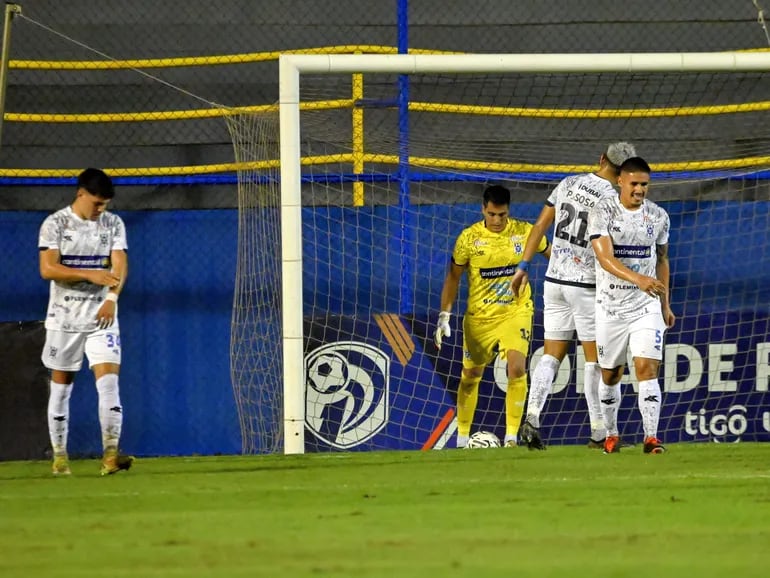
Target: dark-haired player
496, 321
83, 255
629, 234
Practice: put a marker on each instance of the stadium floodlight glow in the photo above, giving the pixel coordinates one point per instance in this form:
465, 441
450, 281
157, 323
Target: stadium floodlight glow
291, 69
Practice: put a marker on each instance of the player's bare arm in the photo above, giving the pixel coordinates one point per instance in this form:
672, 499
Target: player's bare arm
536, 234
106, 314
119, 260
547, 251
52, 270
448, 296
663, 273
451, 285
605, 255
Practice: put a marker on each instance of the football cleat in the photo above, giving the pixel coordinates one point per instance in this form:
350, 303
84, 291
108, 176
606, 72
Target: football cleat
510, 444
612, 445
653, 446
531, 436
61, 465
599, 444
113, 462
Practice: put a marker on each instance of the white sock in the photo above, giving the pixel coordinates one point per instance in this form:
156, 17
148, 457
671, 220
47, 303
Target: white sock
110, 410
462, 441
542, 381
59, 415
609, 397
649, 406
591, 376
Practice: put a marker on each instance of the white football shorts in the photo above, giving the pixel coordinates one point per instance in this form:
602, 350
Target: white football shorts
567, 308
643, 336
64, 350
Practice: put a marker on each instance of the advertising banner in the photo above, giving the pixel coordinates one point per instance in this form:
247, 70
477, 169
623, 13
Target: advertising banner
377, 383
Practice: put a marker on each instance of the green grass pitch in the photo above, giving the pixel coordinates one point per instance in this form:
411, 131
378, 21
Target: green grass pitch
699, 510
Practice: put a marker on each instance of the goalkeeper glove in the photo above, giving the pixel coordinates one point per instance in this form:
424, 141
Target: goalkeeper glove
443, 329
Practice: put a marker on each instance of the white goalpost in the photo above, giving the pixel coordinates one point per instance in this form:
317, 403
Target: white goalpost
294, 68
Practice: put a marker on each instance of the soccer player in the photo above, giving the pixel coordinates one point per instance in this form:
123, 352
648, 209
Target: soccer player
569, 291
495, 320
83, 255
629, 234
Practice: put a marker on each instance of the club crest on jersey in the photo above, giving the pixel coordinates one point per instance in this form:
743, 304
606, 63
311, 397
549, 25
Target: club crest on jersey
104, 239
650, 230
347, 387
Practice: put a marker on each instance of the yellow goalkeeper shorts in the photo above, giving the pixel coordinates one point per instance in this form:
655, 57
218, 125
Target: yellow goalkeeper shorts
485, 338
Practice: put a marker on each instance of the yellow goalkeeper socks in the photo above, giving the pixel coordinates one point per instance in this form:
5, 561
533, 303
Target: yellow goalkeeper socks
467, 397
514, 405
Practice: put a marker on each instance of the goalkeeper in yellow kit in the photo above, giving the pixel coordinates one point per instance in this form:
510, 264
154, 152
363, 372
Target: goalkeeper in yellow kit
495, 321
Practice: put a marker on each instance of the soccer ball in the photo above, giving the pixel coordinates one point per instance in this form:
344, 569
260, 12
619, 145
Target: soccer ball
328, 373
483, 439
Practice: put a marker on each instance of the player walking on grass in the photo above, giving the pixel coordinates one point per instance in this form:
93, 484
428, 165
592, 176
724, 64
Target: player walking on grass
495, 320
569, 291
629, 234
83, 254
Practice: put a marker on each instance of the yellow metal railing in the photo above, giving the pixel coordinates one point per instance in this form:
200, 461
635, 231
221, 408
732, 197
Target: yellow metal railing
424, 162
358, 157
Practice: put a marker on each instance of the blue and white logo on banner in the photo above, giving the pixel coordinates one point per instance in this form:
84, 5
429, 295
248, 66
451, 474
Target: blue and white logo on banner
346, 394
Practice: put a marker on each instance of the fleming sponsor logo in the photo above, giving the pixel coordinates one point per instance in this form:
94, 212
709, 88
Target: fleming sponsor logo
346, 393
83, 298
494, 272
632, 251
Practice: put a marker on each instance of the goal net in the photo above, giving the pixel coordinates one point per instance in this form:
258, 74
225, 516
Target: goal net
342, 255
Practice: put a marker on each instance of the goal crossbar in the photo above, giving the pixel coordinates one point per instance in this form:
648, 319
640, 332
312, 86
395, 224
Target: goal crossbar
291, 67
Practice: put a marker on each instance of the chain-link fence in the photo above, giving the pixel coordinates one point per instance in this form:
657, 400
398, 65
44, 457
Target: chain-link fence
137, 87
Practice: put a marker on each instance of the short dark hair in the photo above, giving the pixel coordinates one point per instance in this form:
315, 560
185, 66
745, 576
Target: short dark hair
497, 194
634, 165
96, 182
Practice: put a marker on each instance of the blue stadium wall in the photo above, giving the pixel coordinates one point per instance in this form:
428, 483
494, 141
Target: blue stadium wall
175, 319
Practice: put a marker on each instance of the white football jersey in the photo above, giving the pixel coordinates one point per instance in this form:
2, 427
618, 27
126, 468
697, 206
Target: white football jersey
82, 244
634, 235
572, 259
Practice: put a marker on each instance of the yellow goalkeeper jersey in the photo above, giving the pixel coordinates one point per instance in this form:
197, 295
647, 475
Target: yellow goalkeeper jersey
491, 260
